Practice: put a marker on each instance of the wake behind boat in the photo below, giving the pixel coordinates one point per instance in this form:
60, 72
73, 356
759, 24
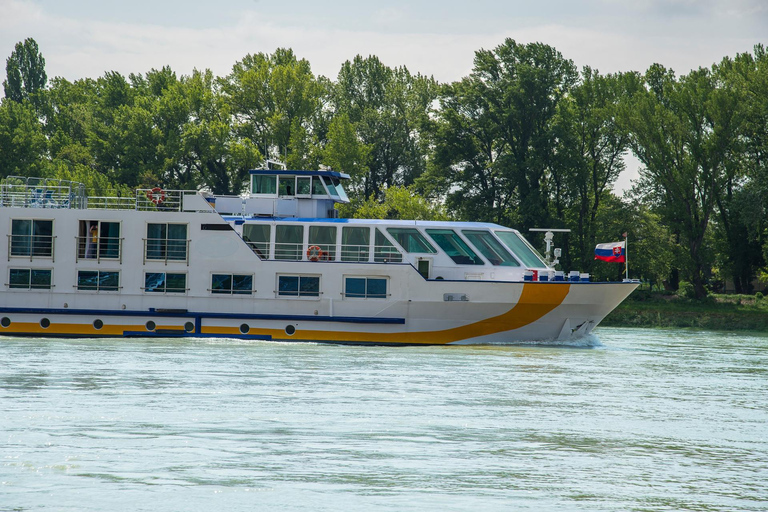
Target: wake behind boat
275, 264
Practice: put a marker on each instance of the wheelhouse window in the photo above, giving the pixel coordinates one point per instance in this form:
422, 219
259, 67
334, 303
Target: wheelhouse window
167, 242
490, 248
264, 184
521, 248
324, 237
289, 240
31, 237
30, 279
317, 187
98, 280
411, 240
232, 284
303, 186
384, 251
286, 186
257, 238
165, 282
355, 243
365, 287
298, 286
452, 244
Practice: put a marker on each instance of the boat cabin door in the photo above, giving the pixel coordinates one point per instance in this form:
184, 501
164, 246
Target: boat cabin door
424, 266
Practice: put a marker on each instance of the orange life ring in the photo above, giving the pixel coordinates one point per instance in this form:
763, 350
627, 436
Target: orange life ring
314, 253
156, 195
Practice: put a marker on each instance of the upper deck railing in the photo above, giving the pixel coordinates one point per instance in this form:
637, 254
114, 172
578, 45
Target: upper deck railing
25, 192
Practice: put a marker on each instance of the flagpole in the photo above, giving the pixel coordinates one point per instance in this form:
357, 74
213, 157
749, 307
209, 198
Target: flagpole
626, 254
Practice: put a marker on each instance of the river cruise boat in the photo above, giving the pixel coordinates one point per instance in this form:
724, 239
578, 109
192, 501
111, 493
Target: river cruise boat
275, 264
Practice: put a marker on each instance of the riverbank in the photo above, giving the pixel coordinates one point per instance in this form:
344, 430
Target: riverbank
717, 312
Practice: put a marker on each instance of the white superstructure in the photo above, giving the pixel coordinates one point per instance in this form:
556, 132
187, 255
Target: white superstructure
274, 264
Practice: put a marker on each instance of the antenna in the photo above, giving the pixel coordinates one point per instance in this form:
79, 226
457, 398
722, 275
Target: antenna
549, 235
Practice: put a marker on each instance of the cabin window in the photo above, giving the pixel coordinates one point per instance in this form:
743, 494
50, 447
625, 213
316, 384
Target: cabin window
329, 184
324, 237
257, 238
317, 187
365, 287
298, 286
355, 243
232, 284
450, 242
490, 248
263, 184
165, 282
99, 240
521, 248
32, 238
30, 279
289, 240
286, 186
411, 240
384, 251
98, 280
303, 186
167, 242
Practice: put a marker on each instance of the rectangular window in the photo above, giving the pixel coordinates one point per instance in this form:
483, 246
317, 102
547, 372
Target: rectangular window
365, 287
492, 249
98, 280
317, 187
165, 282
411, 240
303, 186
289, 240
29, 279
99, 240
450, 242
263, 184
167, 242
32, 238
257, 238
354, 243
298, 286
324, 237
285, 186
232, 284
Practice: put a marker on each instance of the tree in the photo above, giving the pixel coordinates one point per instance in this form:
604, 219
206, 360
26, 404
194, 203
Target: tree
22, 142
682, 131
504, 132
25, 71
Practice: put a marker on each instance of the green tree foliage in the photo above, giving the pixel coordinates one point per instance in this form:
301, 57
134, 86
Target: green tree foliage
389, 110
682, 131
25, 72
500, 131
398, 202
22, 142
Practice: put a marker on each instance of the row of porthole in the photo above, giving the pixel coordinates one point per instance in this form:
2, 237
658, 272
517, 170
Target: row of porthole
290, 330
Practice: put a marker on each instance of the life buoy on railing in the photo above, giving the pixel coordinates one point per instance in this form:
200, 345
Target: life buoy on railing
314, 253
156, 195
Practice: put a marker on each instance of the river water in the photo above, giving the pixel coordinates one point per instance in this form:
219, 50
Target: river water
633, 419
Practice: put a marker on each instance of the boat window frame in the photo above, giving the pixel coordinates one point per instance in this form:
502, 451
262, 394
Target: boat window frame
419, 238
165, 289
98, 287
304, 295
30, 286
529, 250
456, 242
514, 262
231, 290
366, 294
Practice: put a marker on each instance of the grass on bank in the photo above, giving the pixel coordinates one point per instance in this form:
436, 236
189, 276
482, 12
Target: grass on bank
645, 308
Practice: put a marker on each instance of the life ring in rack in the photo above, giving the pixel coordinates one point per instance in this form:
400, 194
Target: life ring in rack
156, 195
314, 253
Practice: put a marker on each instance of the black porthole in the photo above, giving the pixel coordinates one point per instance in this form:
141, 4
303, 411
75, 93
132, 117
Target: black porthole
45, 323
150, 325
189, 327
290, 330
98, 324
244, 328
5, 322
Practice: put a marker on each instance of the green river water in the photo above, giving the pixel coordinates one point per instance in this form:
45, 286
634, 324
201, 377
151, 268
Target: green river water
629, 420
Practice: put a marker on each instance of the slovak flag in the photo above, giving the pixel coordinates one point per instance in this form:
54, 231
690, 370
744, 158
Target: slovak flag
615, 252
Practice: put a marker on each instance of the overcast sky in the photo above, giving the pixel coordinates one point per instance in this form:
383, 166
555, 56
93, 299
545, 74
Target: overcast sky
85, 38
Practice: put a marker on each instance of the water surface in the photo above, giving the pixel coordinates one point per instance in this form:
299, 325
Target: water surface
631, 420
